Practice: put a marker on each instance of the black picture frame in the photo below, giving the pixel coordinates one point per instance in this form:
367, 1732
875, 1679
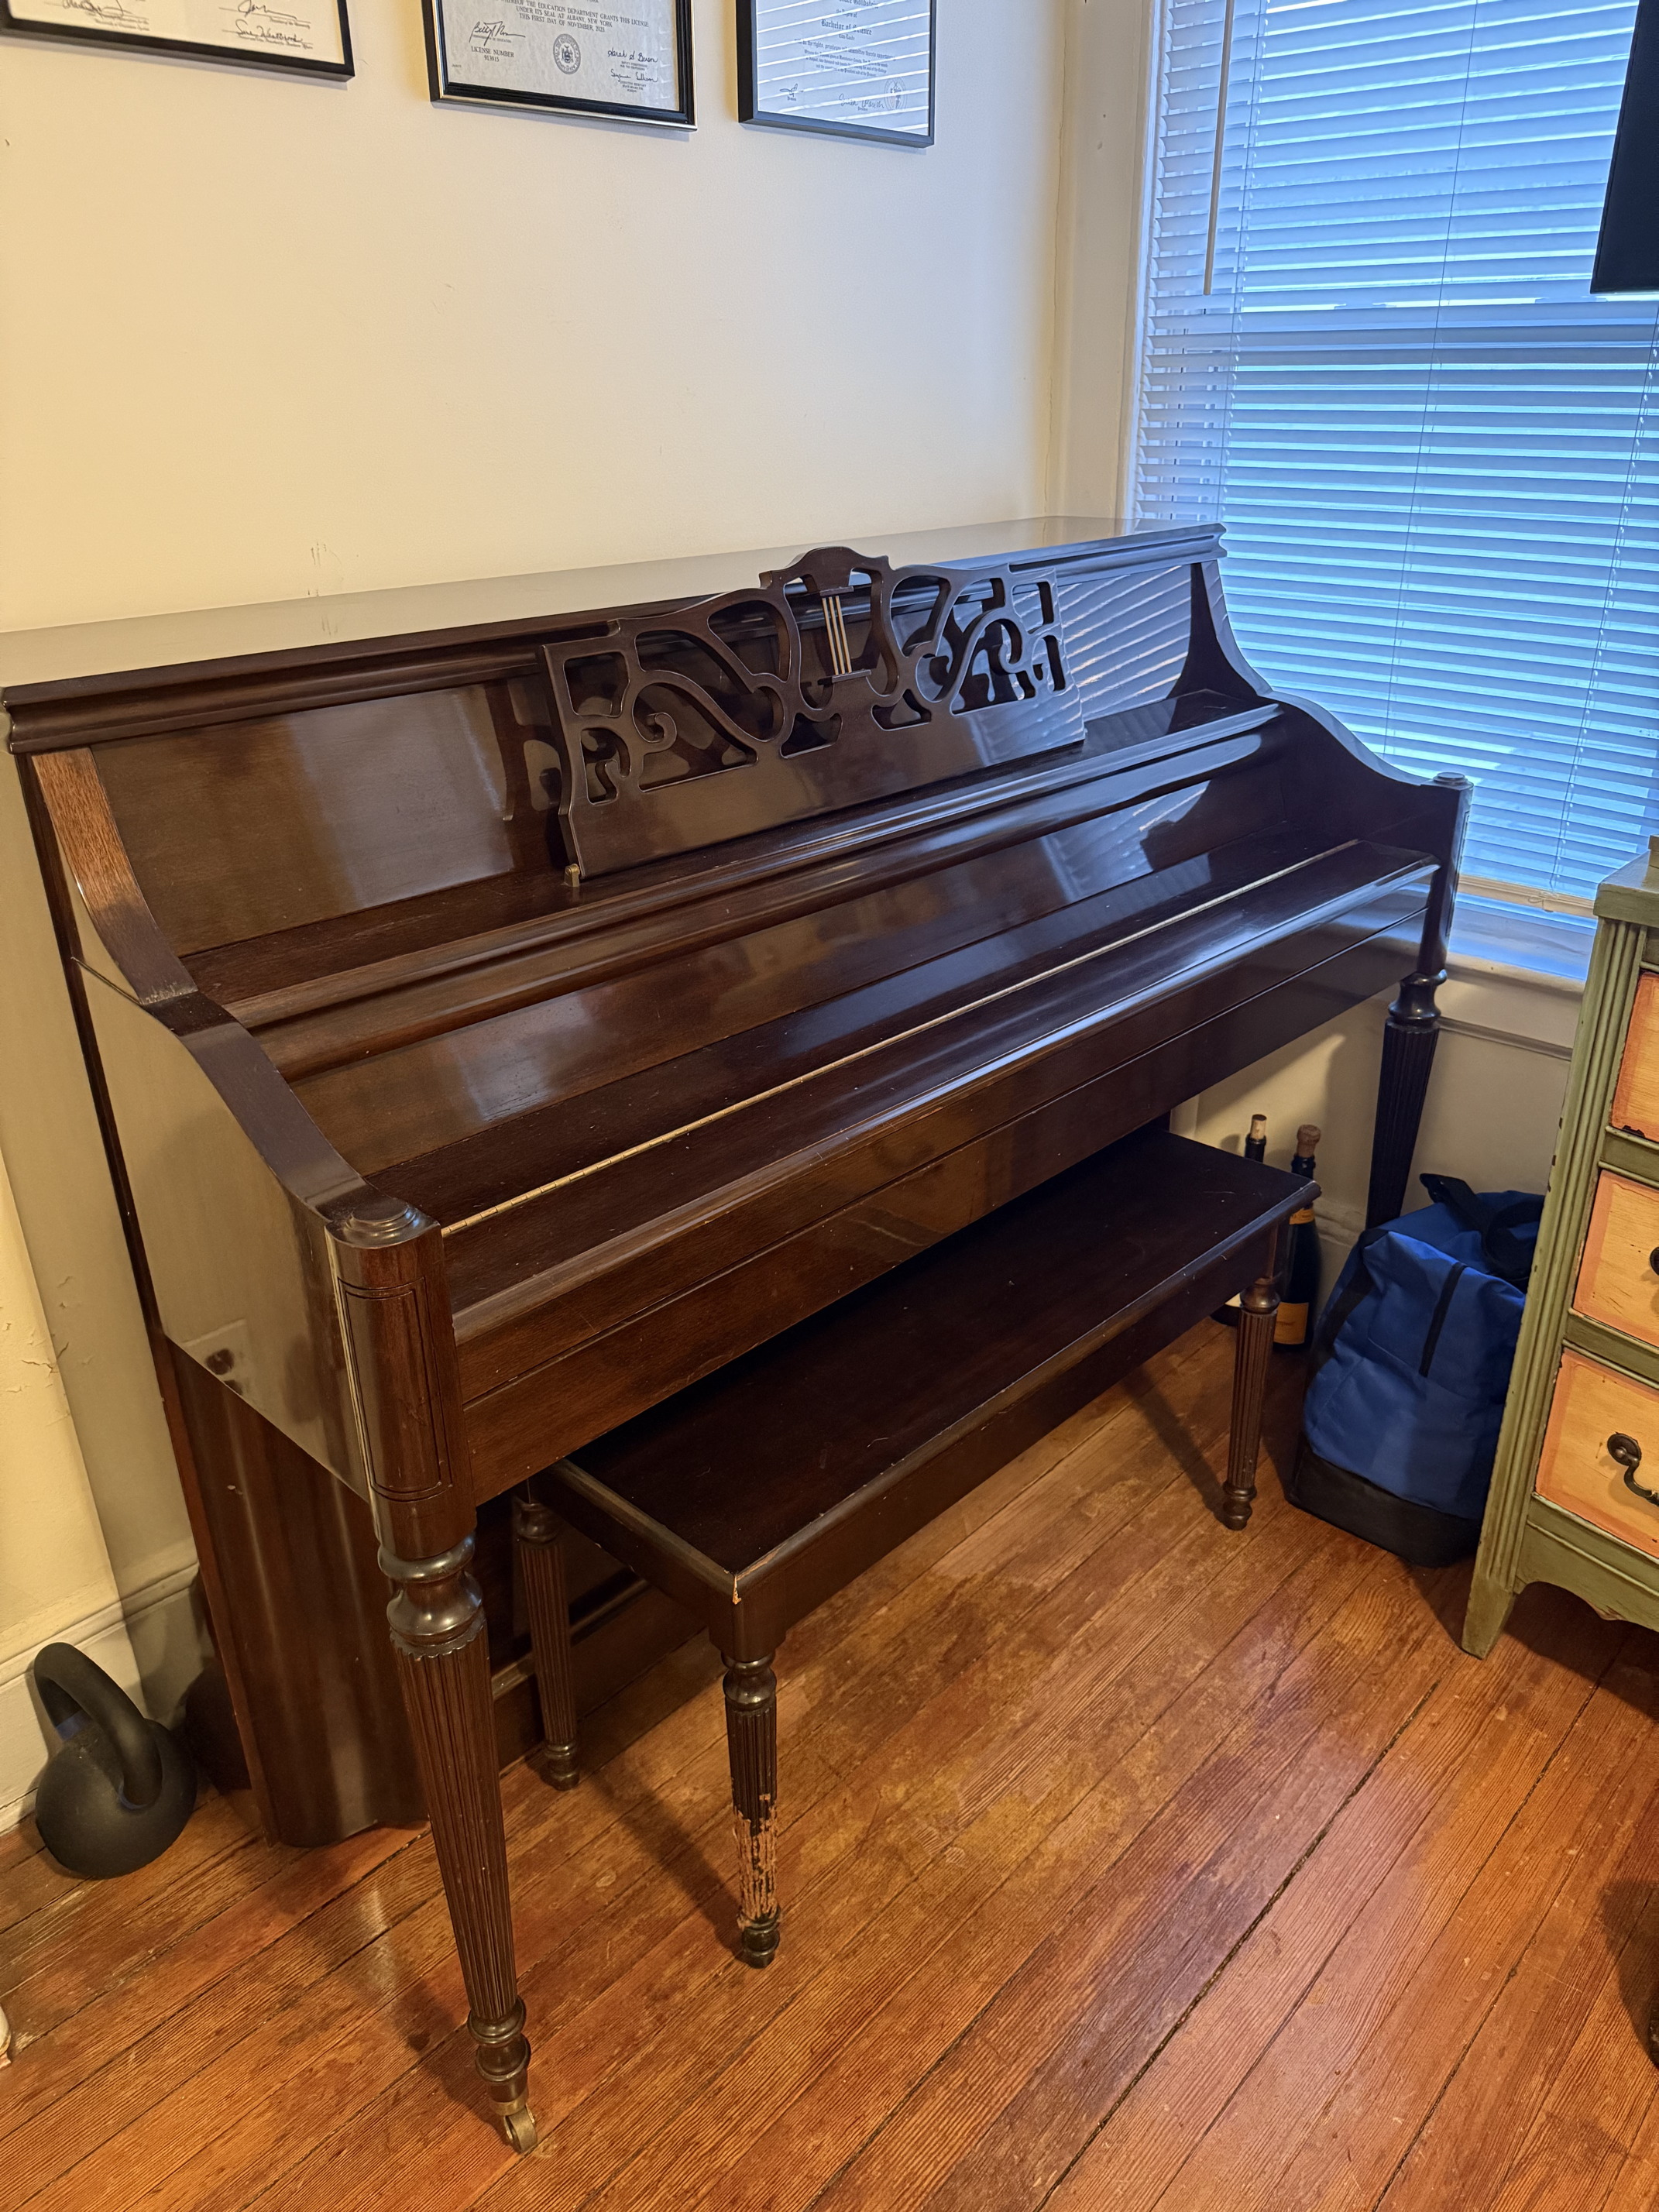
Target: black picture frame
751, 19
452, 88
108, 34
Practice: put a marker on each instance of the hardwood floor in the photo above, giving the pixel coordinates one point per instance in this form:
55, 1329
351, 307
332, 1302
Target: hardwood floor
1127, 1863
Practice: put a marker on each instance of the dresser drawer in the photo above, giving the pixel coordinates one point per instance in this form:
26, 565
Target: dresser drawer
1619, 1275
1593, 1405
1636, 1100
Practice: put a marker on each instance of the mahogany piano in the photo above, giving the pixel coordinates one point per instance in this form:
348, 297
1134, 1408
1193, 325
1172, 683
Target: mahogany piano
499, 1026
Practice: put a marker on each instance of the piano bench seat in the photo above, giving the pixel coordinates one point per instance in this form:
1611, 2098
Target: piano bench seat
758, 1492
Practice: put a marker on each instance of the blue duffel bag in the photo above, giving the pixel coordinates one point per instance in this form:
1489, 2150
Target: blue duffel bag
1408, 1371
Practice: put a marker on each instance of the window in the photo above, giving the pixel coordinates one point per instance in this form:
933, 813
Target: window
1434, 452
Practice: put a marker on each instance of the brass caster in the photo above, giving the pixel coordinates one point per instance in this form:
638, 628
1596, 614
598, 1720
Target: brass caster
518, 2126
555, 1763
759, 1945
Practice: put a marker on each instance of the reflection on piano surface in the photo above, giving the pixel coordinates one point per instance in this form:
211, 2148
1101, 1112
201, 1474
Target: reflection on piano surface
496, 1028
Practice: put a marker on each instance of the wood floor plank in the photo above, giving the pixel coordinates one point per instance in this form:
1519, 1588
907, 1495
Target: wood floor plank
1344, 2088
972, 1699
1636, 2187
28, 1879
1182, 1391
91, 2076
22, 1843
1065, 1773
1130, 1865
44, 1958
1382, 1854
551, 1914
1560, 2029
1061, 1780
1176, 1378
1131, 1949
1602, 2090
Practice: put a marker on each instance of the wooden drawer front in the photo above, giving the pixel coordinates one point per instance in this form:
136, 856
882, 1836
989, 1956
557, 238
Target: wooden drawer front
1618, 1282
1636, 1101
1575, 1470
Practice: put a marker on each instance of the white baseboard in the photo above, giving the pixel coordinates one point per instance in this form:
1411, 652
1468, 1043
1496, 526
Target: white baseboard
149, 1643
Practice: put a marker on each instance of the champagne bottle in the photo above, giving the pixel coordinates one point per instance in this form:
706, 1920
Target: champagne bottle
1298, 1299
1255, 1148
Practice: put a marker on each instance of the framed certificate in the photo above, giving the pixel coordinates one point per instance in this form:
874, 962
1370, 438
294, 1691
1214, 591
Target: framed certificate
628, 59
293, 34
856, 68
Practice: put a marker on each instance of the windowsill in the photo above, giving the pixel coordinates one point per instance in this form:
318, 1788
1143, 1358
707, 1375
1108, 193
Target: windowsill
1520, 944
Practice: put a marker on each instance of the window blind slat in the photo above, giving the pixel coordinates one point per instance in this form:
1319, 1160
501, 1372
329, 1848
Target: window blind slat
1434, 452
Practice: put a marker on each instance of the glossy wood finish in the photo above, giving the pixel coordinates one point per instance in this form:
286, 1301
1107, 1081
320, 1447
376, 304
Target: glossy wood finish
1258, 1319
399, 1354
836, 681
751, 1752
762, 1490
1134, 1864
438, 1633
310, 1678
1411, 1035
541, 1564
758, 1494
333, 970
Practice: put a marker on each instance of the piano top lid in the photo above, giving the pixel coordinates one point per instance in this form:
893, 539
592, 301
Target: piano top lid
82, 652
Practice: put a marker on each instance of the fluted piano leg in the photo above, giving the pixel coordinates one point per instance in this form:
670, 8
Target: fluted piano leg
1258, 1313
541, 1563
443, 1665
1409, 1038
751, 1737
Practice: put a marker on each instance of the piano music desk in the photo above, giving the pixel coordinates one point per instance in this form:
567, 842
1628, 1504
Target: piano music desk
509, 1003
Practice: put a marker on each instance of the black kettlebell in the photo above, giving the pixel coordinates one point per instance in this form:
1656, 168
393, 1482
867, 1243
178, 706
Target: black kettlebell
121, 1789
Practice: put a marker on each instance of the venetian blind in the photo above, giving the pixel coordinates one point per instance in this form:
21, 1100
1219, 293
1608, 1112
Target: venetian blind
1434, 452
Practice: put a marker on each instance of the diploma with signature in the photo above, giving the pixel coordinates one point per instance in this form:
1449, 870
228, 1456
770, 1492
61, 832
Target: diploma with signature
309, 34
859, 68
626, 58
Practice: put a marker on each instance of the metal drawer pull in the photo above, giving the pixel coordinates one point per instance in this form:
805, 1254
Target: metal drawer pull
1628, 1453
1653, 1259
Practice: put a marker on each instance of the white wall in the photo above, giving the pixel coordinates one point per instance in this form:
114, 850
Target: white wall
1102, 221
269, 339
94, 1546
271, 336
1494, 1103
54, 1569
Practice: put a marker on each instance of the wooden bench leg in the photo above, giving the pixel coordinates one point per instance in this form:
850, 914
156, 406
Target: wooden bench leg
1258, 1314
443, 1665
536, 1544
751, 1737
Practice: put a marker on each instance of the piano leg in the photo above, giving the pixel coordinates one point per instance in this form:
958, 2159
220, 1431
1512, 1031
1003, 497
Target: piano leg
443, 1665
1258, 1315
1408, 1044
1411, 1034
751, 1737
541, 1563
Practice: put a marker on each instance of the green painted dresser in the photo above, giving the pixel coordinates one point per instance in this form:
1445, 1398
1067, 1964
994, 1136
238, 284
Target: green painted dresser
1574, 1493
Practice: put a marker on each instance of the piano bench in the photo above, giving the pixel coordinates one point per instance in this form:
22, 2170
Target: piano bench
755, 1494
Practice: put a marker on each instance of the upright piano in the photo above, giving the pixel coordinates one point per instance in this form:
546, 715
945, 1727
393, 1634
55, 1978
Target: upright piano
499, 1025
